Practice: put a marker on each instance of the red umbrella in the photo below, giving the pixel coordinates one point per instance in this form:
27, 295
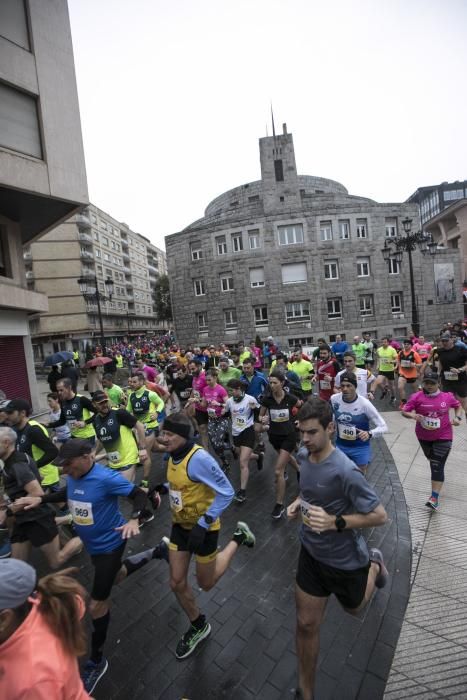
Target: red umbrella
98, 362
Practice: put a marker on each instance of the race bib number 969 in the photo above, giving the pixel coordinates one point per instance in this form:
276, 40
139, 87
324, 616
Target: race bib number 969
81, 512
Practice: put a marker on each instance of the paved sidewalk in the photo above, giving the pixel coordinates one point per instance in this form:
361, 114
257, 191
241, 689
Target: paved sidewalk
431, 655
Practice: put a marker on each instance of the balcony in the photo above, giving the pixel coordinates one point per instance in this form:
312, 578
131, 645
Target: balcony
128, 284
125, 255
130, 298
153, 270
85, 238
124, 241
87, 272
126, 270
30, 275
83, 220
27, 255
86, 254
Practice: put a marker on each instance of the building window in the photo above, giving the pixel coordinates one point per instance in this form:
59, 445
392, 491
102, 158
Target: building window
297, 311
257, 277
237, 242
97, 252
331, 270
344, 230
394, 266
196, 251
105, 240
202, 322
453, 194
5, 267
254, 239
106, 257
366, 304
279, 171
261, 316
390, 228
335, 308
396, 302
19, 123
200, 289
221, 245
362, 228
300, 342
290, 235
230, 319
363, 267
293, 273
325, 230
96, 235
227, 283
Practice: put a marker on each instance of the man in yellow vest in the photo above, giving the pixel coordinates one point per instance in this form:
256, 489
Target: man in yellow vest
199, 492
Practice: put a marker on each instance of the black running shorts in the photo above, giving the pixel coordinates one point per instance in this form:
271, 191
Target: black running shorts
201, 417
37, 532
389, 375
106, 567
179, 543
284, 442
320, 580
459, 388
246, 438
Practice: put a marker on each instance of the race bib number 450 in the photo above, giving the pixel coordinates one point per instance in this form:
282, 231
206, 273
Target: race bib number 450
81, 512
347, 432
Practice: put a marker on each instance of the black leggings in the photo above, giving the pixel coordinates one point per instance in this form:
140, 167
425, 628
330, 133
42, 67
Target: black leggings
437, 452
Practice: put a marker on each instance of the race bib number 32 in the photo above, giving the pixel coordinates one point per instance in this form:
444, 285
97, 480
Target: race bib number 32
81, 512
176, 502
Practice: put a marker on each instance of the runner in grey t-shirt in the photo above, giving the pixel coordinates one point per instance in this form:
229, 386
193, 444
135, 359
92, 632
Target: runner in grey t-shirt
335, 501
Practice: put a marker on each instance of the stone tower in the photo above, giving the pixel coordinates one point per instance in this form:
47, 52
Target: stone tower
279, 172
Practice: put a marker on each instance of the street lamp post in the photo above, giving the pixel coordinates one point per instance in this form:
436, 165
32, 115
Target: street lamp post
89, 288
406, 244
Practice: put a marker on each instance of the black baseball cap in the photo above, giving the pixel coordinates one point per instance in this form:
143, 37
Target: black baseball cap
349, 377
75, 447
18, 405
431, 376
446, 336
99, 396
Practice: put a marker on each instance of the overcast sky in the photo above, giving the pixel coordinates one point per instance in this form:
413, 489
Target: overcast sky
174, 95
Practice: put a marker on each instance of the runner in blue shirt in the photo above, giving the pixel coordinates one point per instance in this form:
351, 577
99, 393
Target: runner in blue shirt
357, 421
92, 491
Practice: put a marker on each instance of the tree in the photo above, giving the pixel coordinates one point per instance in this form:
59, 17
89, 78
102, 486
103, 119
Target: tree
162, 299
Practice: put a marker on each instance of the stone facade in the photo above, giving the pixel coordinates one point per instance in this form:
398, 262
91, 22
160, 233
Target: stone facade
296, 257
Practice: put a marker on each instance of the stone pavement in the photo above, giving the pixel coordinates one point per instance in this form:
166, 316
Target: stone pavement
431, 656
250, 653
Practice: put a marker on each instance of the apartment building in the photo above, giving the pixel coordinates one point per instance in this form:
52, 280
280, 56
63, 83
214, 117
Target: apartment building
95, 246
42, 170
298, 257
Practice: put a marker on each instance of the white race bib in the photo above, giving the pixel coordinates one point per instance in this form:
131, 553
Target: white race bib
431, 423
279, 415
451, 376
212, 412
324, 384
81, 512
184, 394
347, 432
305, 511
406, 363
71, 423
239, 422
176, 501
114, 456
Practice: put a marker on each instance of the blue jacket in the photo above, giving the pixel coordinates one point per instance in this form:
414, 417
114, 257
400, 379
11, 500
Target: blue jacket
256, 385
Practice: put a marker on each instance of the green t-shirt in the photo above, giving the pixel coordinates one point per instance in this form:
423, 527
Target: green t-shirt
387, 357
303, 368
115, 394
360, 351
231, 373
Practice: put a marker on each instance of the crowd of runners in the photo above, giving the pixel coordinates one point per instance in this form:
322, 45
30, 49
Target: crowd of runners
210, 413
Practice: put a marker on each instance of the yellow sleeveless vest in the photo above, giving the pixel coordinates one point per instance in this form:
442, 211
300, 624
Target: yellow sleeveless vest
189, 500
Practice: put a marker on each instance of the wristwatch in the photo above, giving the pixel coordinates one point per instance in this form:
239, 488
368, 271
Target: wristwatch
370, 434
208, 519
340, 523
135, 515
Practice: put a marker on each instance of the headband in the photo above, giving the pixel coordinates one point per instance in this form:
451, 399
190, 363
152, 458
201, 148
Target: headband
185, 431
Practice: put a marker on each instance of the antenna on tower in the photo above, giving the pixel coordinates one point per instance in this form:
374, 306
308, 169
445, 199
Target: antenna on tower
273, 127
